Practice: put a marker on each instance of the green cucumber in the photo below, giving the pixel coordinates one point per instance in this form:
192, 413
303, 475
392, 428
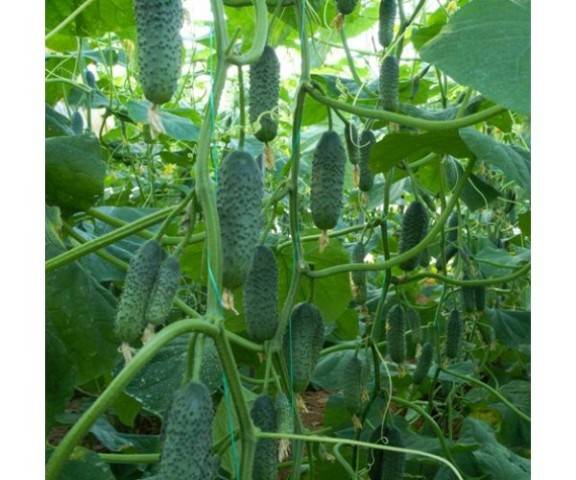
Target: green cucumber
210, 366
284, 413
327, 183
164, 291
264, 94
454, 334
263, 415
77, 123
303, 341
352, 382
389, 73
186, 452
395, 334
352, 143
386, 19
414, 228
423, 365
138, 285
385, 464
158, 24
261, 296
468, 296
414, 323
346, 7
358, 254
480, 298
239, 200
366, 181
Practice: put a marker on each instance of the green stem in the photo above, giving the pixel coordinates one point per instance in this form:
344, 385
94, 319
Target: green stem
482, 282
496, 393
260, 36
416, 250
336, 451
406, 119
177, 209
68, 19
345, 441
130, 458
349, 58
107, 239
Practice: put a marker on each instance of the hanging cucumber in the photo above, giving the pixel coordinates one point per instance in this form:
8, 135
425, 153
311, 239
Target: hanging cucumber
367, 140
327, 182
480, 298
261, 296
164, 291
264, 94
239, 200
359, 276
454, 334
210, 366
303, 341
389, 73
395, 334
424, 364
352, 381
385, 464
468, 296
346, 7
186, 453
263, 415
414, 228
138, 285
352, 143
158, 24
387, 17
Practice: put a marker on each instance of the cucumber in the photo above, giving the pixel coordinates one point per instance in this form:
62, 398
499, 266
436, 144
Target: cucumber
454, 334
164, 291
385, 464
358, 254
352, 381
77, 123
263, 415
210, 367
89, 78
158, 24
264, 94
239, 201
414, 228
468, 297
352, 143
424, 364
261, 296
284, 413
387, 17
327, 183
303, 341
186, 452
396, 334
346, 7
480, 298
414, 323
389, 73
138, 285
367, 140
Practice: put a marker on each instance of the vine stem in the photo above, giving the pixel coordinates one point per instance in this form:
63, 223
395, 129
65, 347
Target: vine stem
107, 239
68, 19
348, 267
345, 441
260, 37
406, 119
495, 392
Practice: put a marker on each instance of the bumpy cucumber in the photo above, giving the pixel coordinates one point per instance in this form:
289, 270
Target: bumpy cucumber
284, 413
414, 228
451, 241
424, 363
352, 376
367, 140
89, 78
468, 296
239, 200
164, 291
261, 296
303, 341
396, 334
480, 298
327, 182
158, 24
77, 123
414, 323
186, 453
210, 367
389, 73
385, 464
138, 285
266, 458
358, 254
454, 334
346, 7
387, 17
352, 143
264, 94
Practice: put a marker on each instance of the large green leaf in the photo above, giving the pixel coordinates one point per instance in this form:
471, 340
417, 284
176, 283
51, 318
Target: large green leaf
81, 314
75, 172
514, 164
486, 45
512, 328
